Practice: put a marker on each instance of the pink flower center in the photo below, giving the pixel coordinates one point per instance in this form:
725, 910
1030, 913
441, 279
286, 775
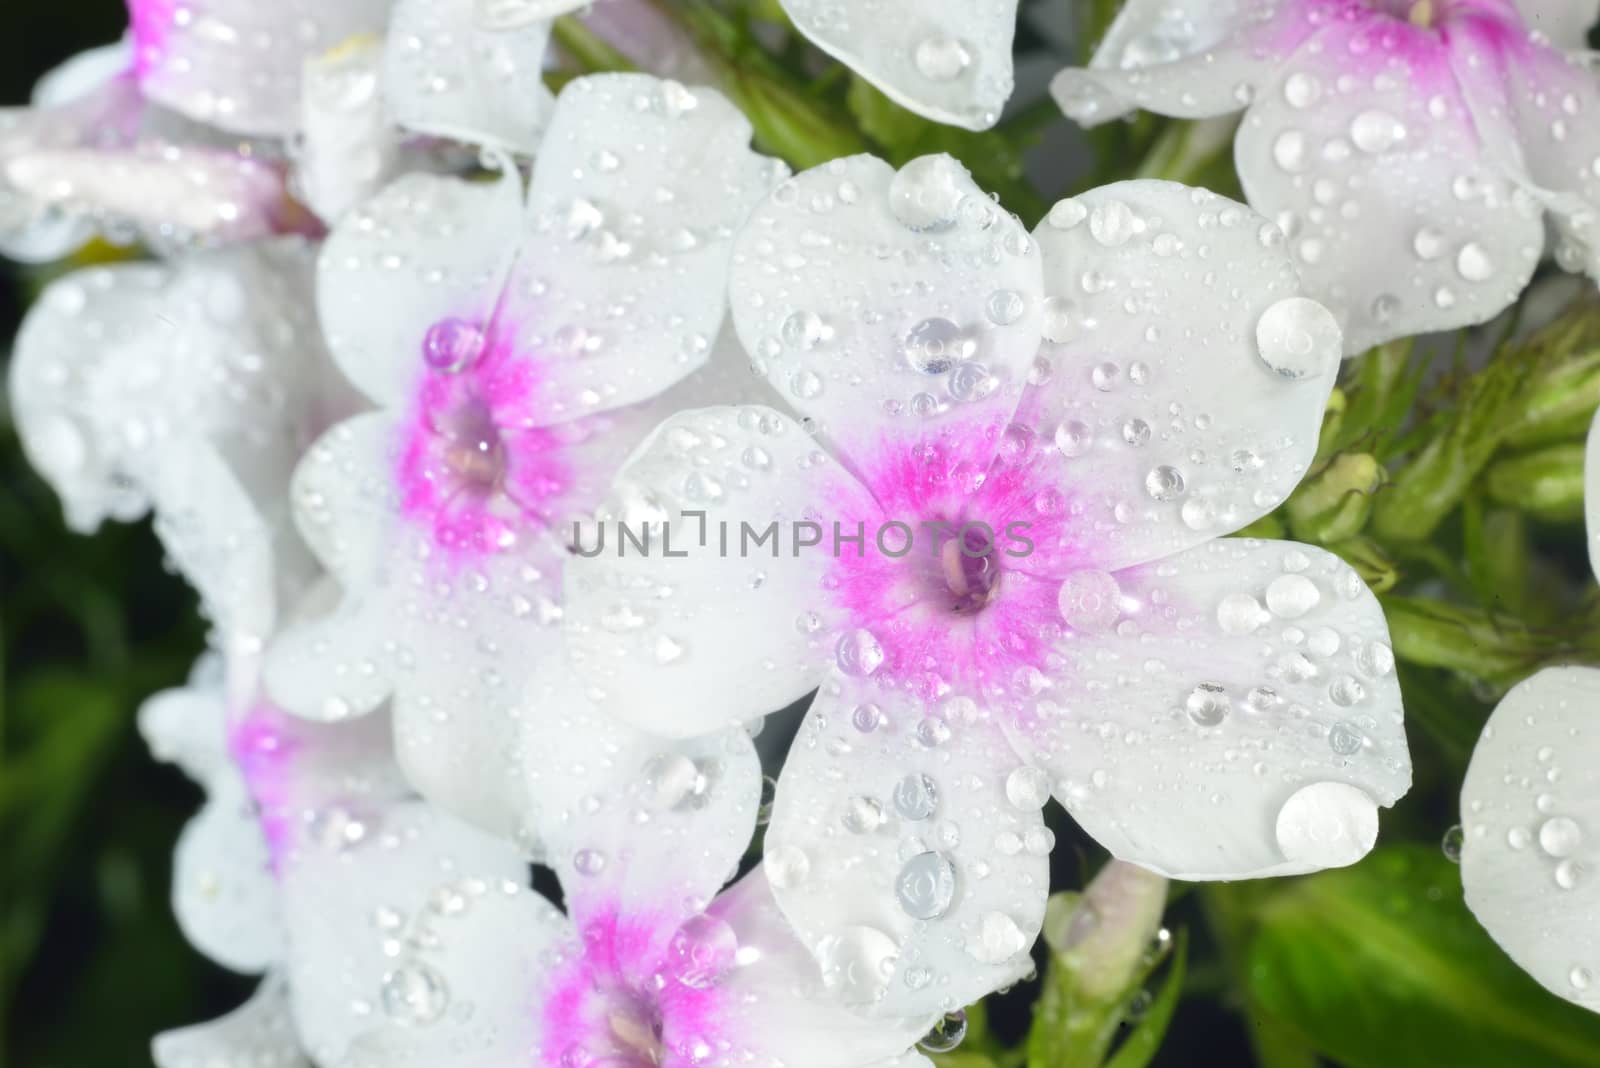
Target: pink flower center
638, 994
968, 604
475, 470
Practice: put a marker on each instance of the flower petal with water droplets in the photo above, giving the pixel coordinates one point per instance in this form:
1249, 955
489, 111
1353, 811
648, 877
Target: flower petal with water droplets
1242, 720
453, 71
908, 850
1530, 813
684, 645
887, 304
1186, 373
948, 60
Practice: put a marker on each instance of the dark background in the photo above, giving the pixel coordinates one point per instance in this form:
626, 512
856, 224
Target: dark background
91, 960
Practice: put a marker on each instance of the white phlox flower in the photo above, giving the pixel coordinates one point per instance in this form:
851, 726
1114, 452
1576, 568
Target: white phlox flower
1411, 149
190, 388
1530, 814
425, 945
517, 346
270, 780
994, 540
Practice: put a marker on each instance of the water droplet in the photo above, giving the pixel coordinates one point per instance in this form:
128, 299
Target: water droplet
1028, 788
672, 780
414, 994
1073, 438
702, 951
997, 940
1208, 704
934, 346
1580, 978
942, 59
589, 861
1069, 214
1327, 825
946, 1034
858, 653
1376, 131
1113, 223
916, 797
926, 193
1006, 306
926, 886
1345, 738
804, 330
451, 345
1454, 839
1292, 596
786, 866
857, 963
1164, 483
1090, 601
866, 717
862, 814
1473, 263
1298, 338
1560, 836
1240, 613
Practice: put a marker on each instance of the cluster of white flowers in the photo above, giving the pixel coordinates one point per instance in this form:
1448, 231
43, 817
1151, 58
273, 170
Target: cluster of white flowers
527, 451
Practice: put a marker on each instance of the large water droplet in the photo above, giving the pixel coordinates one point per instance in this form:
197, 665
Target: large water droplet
926, 193
942, 59
1208, 704
1327, 825
702, 951
1298, 338
858, 653
452, 345
1028, 788
946, 1034
857, 963
926, 886
936, 345
916, 797
1090, 601
1560, 836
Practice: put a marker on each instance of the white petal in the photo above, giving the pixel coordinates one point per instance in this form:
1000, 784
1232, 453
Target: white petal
259, 1032
1554, 103
1591, 493
632, 821
422, 919
1530, 810
949, 60
335, 658
348, 145
621, 280
1376, 175
80, 75
187, 726
685, 645
1193, 59
884, 304
1186, 376
236, 63
115, 364
1565, 23
453, 71
226, 545
222, 887
1242, 720
780, 1005
509, 13
424, 249
908, 850
200, 192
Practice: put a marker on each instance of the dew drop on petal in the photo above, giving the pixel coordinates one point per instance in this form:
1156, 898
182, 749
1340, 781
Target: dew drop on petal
786, 866
916, 797
1298, 338
926, 193
1560, 836
1327, 825
946, 1034
1208, 704
414, 994
1028, 788
857, 962
926, 886
1090, 601
1292, 596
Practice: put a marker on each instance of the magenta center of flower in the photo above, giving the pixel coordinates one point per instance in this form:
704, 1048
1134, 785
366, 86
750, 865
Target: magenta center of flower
956, 588
476, 470
638, 994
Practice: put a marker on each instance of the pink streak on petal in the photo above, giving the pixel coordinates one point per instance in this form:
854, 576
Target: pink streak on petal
264, 744
150, 22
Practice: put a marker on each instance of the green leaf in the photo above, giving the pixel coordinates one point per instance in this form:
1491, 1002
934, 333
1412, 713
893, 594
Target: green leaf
1382, 966
1141, 1046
